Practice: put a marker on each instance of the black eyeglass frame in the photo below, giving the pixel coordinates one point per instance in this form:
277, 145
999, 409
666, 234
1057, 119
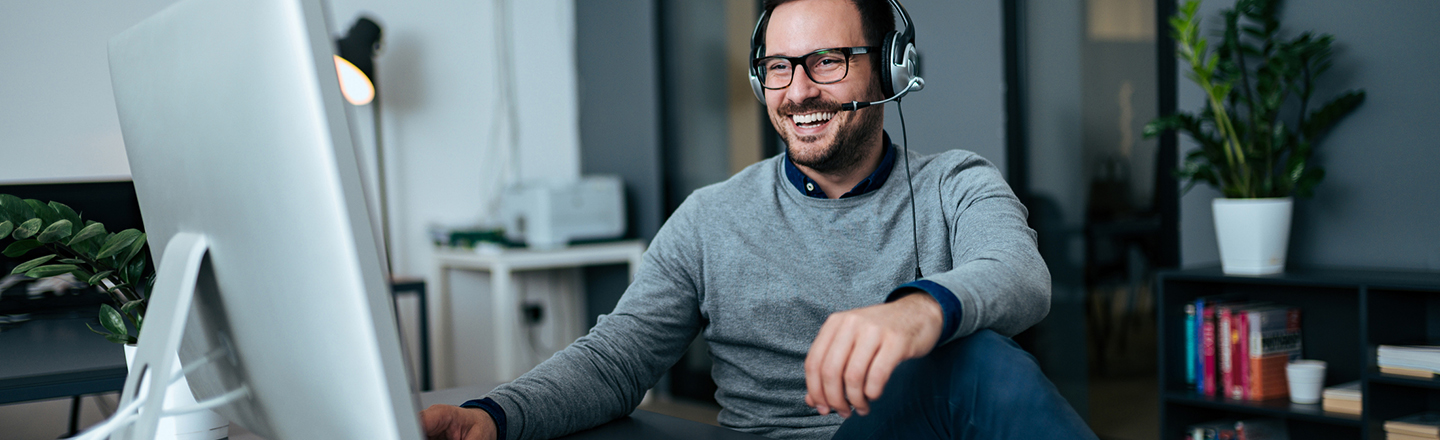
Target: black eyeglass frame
757, 64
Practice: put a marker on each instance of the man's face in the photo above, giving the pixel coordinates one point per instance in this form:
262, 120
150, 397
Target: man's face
824, 138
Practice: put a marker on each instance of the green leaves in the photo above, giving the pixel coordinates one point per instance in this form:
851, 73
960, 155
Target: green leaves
84, 249
26, 266
55, 232
117, 243
51, 270
114, 324
27, 229
1254, 139
91, 230
16, 249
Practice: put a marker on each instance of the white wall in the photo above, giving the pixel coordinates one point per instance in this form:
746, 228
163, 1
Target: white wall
445, 130
57, 112
445, 127
438, 77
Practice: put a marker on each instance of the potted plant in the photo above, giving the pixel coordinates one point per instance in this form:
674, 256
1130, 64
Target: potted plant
114, 262
1258, 130
66, 244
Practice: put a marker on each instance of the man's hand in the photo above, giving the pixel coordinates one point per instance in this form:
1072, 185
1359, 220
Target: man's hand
449, 422
856, 350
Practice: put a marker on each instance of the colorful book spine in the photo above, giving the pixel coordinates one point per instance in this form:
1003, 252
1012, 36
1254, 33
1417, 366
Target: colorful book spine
1191, 345
1274, 341
1200, 345
1224, 349
1207, 351
1242, 354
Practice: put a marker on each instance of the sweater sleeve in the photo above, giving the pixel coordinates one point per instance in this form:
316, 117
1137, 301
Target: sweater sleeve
604, 374
998, 277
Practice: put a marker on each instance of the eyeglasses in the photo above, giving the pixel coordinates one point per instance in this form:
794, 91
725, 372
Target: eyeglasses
824, 66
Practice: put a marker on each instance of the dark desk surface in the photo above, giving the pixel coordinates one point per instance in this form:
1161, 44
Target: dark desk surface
56, 356
640, 424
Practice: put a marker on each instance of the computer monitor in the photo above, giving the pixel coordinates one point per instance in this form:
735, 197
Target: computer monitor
251, 195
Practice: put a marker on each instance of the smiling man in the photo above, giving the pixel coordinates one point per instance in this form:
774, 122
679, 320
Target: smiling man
804, 274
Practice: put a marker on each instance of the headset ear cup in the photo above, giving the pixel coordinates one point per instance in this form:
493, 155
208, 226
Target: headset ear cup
887, 87
903, 72
755, 86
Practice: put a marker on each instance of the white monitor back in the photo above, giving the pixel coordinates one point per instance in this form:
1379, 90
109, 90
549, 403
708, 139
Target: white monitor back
234, 127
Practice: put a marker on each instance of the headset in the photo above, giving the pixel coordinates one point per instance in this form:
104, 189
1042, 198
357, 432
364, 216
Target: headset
898, 77
901, 73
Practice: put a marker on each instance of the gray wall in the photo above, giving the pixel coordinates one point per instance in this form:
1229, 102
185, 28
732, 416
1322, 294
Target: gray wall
620, 102
1378, 205
963, 63
617, 57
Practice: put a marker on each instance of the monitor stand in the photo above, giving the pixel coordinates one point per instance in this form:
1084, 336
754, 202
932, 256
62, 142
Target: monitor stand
159, 340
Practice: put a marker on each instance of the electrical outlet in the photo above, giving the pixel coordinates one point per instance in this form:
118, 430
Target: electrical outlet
534, 313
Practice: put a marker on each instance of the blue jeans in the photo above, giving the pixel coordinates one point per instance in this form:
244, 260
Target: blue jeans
982, 386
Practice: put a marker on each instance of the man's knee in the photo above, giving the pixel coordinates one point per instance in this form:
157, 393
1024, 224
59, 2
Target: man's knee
994, 368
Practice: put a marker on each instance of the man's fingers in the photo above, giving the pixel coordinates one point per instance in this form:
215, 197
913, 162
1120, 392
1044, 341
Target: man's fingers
886, 359
856, 368
832, 371
814, 394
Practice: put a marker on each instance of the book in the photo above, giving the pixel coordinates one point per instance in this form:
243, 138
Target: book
1191, 349
1274, 340
1425, 424
1242, 356
1200, 345
1207, 351
1342, 407
1411, 372
1227, 320
1412, 357
1399, 436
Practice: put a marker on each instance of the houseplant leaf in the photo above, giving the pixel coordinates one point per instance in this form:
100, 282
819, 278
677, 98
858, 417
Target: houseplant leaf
119, 242
95, 279
134, 249
66, 213
51, 270
111, 336
27, 229
43, 211
134, 270
16, 249
6, 227
112, 321
55, 232
26, 266
131, 310
90, 231
17, 210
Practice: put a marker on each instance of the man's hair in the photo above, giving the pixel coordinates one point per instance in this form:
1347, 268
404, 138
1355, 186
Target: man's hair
876, 18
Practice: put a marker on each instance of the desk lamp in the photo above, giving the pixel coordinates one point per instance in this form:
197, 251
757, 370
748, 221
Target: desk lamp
355, 62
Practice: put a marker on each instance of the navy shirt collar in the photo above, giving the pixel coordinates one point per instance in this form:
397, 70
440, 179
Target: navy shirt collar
809, 187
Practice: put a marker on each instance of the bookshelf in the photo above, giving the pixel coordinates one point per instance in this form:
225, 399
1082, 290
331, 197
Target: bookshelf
1346, 315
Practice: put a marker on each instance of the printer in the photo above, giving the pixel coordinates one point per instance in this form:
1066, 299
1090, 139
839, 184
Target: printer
550, 215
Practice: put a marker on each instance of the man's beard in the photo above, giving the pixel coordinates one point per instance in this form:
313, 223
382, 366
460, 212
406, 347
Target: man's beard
846, 151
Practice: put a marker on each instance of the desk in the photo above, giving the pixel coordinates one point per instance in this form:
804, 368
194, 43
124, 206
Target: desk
640, 424
502, 264
56, 356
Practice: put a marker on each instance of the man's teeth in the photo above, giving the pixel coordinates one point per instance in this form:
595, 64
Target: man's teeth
813, 118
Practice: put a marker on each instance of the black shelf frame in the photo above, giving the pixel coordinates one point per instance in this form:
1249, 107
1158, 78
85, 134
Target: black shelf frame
1346, 314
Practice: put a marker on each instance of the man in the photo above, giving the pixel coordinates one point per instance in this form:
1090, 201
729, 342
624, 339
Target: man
800, 272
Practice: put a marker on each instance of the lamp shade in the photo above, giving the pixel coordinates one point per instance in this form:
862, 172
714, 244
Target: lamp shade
356, 87
355, 61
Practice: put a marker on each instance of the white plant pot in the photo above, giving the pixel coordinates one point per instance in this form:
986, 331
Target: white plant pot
200, 425
1253, 234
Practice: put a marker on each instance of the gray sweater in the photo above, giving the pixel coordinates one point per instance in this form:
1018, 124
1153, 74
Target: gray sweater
756, 267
